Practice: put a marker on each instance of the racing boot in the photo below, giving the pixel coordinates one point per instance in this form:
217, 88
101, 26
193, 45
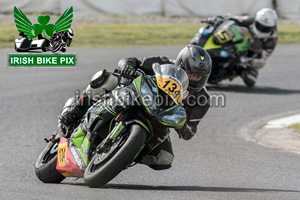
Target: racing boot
73, 115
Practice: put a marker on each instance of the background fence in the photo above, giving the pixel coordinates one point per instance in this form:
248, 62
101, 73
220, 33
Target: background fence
287, 9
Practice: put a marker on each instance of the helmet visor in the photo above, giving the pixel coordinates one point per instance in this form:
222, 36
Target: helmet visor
263, 29
193, 76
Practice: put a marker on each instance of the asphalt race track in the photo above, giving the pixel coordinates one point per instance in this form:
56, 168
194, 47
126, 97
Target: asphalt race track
220, 162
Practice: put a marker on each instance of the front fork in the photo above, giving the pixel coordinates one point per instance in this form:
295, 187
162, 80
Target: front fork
119, 129
106, 144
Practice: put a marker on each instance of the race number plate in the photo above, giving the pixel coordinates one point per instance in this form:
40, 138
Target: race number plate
223, 36
62, 152
171, 87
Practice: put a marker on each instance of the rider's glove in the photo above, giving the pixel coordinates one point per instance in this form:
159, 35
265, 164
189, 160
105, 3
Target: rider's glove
127, 71
185, 132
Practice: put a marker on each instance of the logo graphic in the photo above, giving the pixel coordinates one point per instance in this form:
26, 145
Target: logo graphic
32, 31
58, 40
43, 36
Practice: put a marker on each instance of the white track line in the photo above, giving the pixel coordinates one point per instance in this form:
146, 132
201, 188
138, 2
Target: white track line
283, 122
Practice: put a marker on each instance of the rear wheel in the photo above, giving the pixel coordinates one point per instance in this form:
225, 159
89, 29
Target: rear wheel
105, 166
45, 166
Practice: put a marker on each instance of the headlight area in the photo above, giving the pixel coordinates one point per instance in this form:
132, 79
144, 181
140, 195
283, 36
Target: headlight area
173, 119
148, 95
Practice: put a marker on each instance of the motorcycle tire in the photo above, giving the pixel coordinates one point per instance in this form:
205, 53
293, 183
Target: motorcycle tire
45, 166
98, 173
56, 46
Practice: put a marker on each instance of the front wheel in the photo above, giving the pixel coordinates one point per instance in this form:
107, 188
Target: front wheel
45, 166
56, 46
105, 166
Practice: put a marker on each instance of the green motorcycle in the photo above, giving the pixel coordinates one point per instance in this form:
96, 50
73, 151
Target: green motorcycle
118, 130
226, 43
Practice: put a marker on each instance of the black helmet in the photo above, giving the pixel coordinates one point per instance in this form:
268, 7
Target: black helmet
197, 63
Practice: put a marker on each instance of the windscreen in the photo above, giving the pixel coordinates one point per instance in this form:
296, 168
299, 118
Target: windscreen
172, 80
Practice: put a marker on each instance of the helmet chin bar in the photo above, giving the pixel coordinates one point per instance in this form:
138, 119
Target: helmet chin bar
196, 86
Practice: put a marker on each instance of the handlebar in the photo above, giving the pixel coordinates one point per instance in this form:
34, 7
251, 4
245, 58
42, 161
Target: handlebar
135, 75
125, 80
213, 20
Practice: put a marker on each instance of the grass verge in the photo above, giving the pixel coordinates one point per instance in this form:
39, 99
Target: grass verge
137, 34
296, 127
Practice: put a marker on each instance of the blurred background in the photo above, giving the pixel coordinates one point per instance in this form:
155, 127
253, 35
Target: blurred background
141, 22
286, 9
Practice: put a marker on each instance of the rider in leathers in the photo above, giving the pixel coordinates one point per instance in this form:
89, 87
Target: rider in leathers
262, 40
197, 64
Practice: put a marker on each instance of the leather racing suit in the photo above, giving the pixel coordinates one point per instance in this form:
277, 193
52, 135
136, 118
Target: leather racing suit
259, 49
196, 106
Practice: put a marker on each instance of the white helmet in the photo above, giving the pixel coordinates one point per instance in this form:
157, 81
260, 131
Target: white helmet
70, 33
264, 23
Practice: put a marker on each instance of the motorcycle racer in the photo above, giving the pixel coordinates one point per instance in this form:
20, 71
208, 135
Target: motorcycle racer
262, 40
197, 64
65, 36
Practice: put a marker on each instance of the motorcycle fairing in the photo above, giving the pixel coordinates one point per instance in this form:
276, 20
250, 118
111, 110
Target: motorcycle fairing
202, 36
66, 165
223, 36
229, 33
242, 43
144, 88
82, 142
173, 117
210, 44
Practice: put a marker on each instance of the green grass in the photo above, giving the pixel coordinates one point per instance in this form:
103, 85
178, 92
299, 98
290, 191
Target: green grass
296, 127
289, 33
117, 34
8, 35
133, 34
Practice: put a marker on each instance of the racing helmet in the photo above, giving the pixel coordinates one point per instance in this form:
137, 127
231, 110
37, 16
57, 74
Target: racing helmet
265, 23
197, 63
70, 33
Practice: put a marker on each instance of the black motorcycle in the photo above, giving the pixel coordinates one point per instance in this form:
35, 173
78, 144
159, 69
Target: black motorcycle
115, 134
59, 41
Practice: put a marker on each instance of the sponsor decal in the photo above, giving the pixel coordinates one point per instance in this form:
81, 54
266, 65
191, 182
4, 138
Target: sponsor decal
224, 54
